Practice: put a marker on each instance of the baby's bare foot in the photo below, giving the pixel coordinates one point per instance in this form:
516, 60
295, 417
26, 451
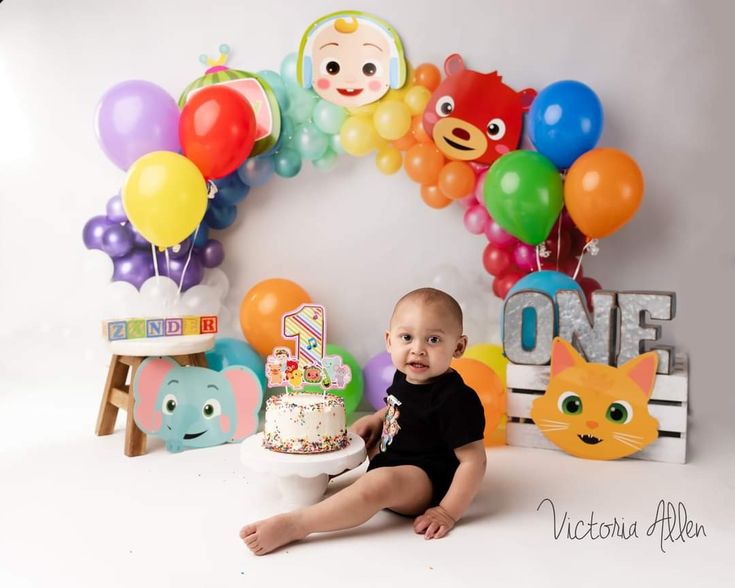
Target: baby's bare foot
264, 536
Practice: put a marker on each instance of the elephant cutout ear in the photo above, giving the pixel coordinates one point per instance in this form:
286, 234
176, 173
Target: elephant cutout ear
149, 378
248, 394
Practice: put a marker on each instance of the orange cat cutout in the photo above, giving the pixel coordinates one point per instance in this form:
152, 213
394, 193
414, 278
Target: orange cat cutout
597, 411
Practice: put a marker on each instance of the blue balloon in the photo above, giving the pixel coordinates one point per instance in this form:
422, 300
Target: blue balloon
256, 171
230, 190
228, 352
566, 121
220, 217
202, 236
548, 282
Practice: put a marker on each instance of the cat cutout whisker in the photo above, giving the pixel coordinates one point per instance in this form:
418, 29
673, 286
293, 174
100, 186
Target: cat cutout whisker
554, 422
551, 429
628, 435
627, 442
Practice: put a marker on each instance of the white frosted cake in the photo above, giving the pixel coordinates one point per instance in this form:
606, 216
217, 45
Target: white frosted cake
305, 423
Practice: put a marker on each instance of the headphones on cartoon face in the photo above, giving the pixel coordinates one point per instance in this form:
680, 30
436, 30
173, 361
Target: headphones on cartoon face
394, 67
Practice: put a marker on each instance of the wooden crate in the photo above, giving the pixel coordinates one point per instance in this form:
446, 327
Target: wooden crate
668, 404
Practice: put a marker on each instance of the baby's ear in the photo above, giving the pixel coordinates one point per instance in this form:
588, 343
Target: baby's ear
387, 341
461, 347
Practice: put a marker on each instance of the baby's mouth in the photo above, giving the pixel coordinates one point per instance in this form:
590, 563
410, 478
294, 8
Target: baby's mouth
349, 91
417, 365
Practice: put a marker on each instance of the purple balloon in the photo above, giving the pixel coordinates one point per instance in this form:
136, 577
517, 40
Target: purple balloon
117, 241
134, 118
139, 241
115, 210
93, 231
213, 253
135, 268
378, 373
174, 268
183, 251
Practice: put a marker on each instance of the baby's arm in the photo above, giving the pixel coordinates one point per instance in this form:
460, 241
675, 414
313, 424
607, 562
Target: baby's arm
437, 521
370, 427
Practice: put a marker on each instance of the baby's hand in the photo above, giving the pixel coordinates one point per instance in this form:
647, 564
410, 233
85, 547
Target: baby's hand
434, 523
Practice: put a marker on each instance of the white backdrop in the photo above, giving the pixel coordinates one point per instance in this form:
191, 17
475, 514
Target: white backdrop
658, 67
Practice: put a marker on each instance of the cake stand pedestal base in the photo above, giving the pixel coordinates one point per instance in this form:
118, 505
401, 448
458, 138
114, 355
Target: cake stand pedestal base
302, 478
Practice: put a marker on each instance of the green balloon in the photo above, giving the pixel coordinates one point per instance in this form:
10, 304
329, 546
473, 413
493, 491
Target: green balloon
329, 117
326, 161
524, 195
352, 394
287, 162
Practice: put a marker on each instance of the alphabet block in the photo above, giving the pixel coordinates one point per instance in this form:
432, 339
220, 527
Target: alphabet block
191, 325
174, 326
117, 330
154, 328
208, 324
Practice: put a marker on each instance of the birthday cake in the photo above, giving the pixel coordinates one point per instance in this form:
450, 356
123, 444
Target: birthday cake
305, 423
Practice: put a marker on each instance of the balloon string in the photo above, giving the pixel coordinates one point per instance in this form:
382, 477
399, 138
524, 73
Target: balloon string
155, 259
188, 259
168, 263
589, 244
558, 242
538, 259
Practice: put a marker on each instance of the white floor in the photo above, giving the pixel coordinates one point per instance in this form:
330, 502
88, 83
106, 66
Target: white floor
74, 511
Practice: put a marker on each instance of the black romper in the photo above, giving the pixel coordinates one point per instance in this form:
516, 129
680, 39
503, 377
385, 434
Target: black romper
425, 423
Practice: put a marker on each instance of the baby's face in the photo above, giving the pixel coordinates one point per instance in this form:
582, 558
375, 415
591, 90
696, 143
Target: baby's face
422, 340
351, 69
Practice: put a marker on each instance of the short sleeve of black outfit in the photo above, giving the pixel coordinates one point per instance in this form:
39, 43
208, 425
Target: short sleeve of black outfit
433, 420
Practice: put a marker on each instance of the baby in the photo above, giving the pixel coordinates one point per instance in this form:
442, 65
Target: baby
427, 458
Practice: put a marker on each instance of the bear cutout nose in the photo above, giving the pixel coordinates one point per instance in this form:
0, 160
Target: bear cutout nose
592, 424
460, 133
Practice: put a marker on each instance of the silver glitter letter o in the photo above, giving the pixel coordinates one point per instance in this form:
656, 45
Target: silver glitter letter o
513, 327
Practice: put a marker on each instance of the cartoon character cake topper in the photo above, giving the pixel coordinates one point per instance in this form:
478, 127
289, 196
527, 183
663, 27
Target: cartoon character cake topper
351, 58
309, 366
597, 411
473, 116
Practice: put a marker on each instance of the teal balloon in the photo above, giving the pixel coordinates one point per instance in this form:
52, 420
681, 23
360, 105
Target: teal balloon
310, 141
275, 81
287, 162
335, 144
301, 104
328, 117
326, 161
352, 394
288, 68
228, 352
524, 194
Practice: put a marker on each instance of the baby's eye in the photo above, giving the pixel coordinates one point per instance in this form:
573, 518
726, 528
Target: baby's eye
371, 69
433, 340
406, 338
330, 66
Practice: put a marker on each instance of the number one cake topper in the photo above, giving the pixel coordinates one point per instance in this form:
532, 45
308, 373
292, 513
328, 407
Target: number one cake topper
308, 325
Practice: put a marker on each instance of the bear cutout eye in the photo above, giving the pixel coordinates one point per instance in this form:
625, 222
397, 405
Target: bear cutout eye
496, 129
371, 69
211, 408
570, 403
445, 106
330, 66
619, 412
168, 406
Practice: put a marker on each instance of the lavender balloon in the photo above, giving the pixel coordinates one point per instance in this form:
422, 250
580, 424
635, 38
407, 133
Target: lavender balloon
183, 250
115, 210
93, 231
213, 253
117, 240
378, 373
175, 267
139, 241
134, 118
135, 267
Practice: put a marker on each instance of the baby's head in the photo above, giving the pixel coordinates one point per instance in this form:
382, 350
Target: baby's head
425, 333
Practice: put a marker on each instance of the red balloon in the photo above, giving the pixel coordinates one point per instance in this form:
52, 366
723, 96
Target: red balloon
217, 130
503, 283
495, 260
566, 266
589, 285
559, 248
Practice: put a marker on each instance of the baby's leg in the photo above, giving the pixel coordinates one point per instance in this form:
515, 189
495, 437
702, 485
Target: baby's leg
404, 489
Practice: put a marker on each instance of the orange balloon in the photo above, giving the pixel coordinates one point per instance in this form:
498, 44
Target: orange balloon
489, 388
427, 75
261, 311
432, 196
602, 191
423, 162
417, 126
405, 142
456, 180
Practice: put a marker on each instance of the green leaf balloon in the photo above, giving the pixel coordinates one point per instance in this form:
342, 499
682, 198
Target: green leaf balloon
524, 194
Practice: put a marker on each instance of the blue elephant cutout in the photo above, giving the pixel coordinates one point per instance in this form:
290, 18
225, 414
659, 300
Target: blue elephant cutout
191, 406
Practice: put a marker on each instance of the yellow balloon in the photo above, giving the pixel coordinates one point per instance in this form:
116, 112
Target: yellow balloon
389, 160
417, 98
364, 110
165, 197
358, 136
491, 355
392, 119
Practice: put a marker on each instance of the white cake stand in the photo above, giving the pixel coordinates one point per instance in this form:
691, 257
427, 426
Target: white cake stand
302, 478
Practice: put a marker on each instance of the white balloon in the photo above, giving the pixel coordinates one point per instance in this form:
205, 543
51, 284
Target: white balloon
217, 279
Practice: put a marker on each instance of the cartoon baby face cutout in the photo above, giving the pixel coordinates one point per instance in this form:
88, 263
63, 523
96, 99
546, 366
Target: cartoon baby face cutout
351, 59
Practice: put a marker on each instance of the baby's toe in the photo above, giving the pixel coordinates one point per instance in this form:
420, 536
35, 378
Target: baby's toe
247, 530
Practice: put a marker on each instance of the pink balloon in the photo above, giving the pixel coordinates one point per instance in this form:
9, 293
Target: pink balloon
524, 257
475, 219
467, 201
497, 235
478, 193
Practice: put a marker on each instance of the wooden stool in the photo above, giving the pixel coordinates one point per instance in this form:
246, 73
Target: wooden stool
127, 355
